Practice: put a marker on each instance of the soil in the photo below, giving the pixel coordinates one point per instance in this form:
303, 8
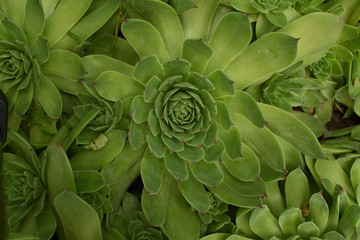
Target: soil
337, 121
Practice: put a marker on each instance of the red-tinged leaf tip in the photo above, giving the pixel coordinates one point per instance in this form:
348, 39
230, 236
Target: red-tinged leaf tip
148, 126
151, 154
266, 123
297, 39
124, 19
162, 132
171, 150
200, 145
178, 181
202, 213
211, 122
94, 84
182, 142
144, 89
193, 163
215, 142
150, 224
258, 179
214, 187
194, 5
147, 192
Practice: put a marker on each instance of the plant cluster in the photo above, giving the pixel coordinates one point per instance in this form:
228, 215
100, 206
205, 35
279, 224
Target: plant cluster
181, 119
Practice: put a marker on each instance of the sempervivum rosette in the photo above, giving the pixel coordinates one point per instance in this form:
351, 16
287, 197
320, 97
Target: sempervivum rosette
191, 126
35, 61
27, 189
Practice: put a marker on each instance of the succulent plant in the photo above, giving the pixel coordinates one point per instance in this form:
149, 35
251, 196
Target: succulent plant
216, 219
171, 95
35, 63
90, 186
130, 222
181, 99
300, 214
26, 189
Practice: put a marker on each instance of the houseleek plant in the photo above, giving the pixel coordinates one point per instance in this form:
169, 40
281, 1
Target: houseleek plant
171, 96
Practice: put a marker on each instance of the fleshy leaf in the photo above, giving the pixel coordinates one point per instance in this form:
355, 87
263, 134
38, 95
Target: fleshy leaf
23, 100
156, 145
194, 192
64, 17
170, 30
114, 86
291, 129
33, 19
198, 53
223, 117
269, 54
146, 68
144, 38
176, 166
88, 181
97, 64
200, 81
314, 34
49, 97
234, 32
152, 172
192, 154
232, 141
41, 49
139, 110
245, 168
97, 15
245, 105
137, 134
64, 63
176, 67
151, 89
263, 141
215, 152
181, 221
207, 173
155, 205
196, 21
223, 86
211, 136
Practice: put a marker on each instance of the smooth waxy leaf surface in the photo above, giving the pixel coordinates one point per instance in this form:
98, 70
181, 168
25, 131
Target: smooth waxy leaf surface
269, 54
145, 39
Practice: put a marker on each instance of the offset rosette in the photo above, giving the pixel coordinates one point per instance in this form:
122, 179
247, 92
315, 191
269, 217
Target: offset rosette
273, 10
103, 116
26, 188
